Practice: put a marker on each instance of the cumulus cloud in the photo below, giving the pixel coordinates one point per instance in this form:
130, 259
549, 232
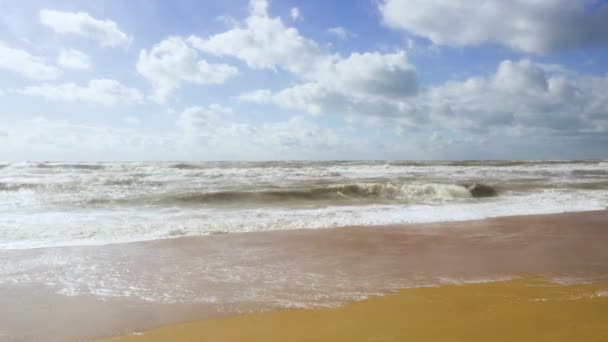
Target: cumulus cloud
329, 82
105, 32
173, 61
372, 74
547, 103
522, 96
73, 59
263, 42
530, 26
101, 91
519, 98
357, 80
23, 63
341, 33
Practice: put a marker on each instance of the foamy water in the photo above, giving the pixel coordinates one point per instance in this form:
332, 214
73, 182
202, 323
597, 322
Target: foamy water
58, 204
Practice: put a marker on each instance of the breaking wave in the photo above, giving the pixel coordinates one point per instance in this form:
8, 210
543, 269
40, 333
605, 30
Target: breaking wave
336, 194
56, 203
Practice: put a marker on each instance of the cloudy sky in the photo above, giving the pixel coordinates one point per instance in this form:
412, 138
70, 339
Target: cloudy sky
282, 79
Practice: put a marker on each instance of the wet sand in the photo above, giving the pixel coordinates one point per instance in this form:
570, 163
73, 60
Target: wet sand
75, 293
526, 309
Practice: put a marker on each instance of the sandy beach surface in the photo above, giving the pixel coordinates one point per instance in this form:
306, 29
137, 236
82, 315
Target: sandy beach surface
84, 293
525, 309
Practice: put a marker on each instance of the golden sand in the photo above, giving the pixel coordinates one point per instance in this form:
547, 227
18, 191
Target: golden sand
527, 309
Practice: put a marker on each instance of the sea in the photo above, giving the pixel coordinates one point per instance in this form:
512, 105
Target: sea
48, 204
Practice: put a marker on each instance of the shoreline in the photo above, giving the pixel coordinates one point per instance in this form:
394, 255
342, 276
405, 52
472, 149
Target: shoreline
523, 309
142, 285
415, 226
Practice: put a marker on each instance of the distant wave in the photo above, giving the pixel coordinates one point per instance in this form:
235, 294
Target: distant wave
493, 163
257, 165
347, 193
185, 166
17, 186
298, 164
71, 166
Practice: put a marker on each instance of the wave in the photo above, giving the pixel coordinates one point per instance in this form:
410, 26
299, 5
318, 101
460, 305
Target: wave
17, 186
184, 166
336, 194
71, 166
591, 172
494, 163
261, 164
301, 164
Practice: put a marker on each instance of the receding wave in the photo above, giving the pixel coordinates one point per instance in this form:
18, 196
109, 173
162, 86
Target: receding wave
335, 194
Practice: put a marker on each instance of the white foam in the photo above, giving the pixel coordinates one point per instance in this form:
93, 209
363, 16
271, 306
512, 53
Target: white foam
92, 227
58, 206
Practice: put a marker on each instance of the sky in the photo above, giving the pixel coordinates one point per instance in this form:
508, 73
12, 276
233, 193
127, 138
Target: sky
302, 80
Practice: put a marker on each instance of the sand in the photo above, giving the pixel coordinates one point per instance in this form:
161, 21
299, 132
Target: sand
210, 277
526, 309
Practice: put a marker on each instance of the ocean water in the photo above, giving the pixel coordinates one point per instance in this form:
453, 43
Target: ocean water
61, 204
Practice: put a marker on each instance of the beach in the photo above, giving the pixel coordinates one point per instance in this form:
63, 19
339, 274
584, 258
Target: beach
265, 170
96, 292
526, 309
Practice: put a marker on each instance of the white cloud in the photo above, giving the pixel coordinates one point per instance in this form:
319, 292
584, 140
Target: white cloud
371, 74
200, 120
317, 99
208, 128
23, 63
73, 59
295, 14
102, 91
530, 26
309, 97
329, 81
258, 7
341, 33
173, 61
131, 120
359, 78
263, 42
522, 96
383, 88
105, 32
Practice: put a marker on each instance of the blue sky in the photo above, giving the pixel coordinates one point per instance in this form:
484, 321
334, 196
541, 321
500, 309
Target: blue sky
260, 80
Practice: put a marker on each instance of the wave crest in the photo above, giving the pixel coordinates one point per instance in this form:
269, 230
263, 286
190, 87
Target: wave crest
337, 194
